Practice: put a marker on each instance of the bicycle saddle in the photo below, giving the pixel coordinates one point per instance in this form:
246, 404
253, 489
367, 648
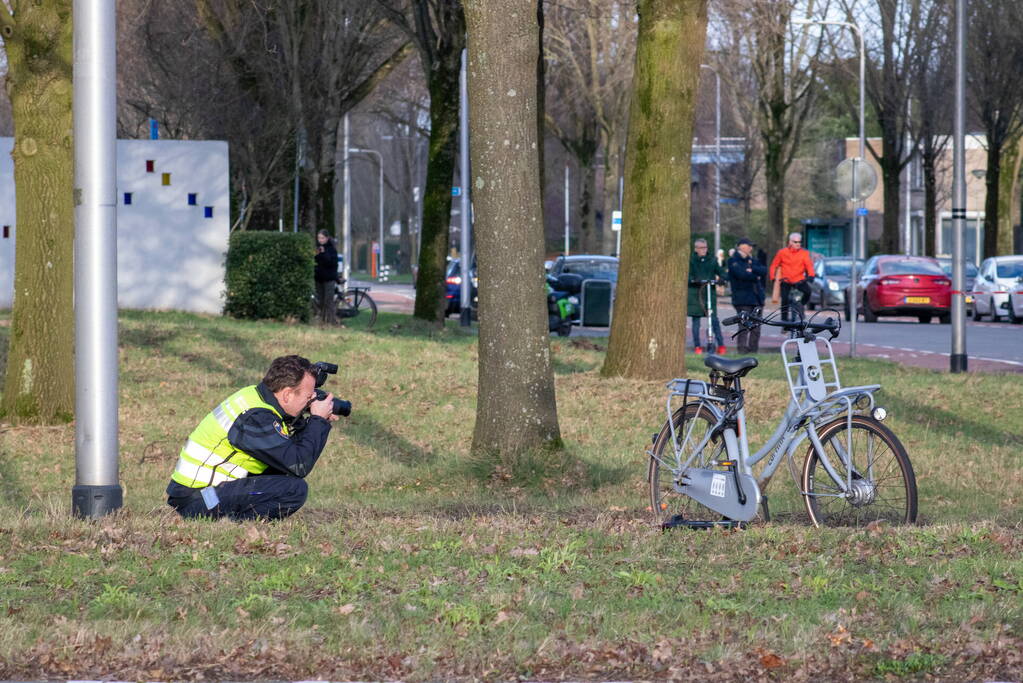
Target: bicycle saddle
734, 367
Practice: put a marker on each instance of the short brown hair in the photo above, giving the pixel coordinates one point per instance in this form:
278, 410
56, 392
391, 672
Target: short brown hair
287, 372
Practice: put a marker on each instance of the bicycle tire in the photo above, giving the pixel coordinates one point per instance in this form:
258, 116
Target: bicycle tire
888, 493
359, 309
666, 504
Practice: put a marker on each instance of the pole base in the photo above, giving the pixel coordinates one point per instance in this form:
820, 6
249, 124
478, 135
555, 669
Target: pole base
93, 502
957, 362
466, 316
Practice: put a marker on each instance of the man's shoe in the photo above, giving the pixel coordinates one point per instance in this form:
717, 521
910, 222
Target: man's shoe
722, 350
698, 350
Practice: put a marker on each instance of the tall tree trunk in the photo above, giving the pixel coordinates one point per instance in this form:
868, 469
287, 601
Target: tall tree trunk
516, 409
891, 172
991, 200
927, 163
1007, 193
433, 249
648, 327
39, 386
774, 177
587, 227
611, 175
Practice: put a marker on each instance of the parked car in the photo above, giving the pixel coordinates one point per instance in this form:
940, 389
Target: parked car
831, 280
588, 266
892, 284
1016, 303
998, 276
970, 277
453, 286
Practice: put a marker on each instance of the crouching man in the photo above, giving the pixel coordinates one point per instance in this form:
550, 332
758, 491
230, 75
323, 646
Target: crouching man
248, 458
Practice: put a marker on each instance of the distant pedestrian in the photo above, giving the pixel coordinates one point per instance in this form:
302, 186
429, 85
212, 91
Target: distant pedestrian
747, 278
704, 274
325, 275
791, 267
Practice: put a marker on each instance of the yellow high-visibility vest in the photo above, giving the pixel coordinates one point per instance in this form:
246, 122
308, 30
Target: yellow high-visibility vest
208, 458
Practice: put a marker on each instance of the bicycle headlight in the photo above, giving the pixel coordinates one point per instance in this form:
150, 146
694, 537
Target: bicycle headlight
879, 413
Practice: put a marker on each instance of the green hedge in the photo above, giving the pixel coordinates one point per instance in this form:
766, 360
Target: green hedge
269, 275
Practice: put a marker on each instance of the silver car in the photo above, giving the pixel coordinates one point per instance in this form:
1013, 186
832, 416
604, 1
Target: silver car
998, 277
830, 281
969, 277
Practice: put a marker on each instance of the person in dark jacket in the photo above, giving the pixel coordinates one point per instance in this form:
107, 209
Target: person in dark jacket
747, 278
325, 275
702, 300
249, 456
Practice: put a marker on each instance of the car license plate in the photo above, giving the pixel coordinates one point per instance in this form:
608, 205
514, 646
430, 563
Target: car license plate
918, 299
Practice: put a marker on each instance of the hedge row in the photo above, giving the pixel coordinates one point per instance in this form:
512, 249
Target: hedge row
269, 275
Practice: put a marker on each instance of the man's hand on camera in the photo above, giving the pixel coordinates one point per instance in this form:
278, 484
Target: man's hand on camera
324, 408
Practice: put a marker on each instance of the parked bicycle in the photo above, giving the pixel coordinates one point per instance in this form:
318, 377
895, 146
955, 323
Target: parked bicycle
354, 306
855, 470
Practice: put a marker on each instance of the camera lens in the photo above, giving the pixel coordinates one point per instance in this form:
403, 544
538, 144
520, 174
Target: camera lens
342, 408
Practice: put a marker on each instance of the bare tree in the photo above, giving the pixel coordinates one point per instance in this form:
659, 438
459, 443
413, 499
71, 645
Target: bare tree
784, 70
648, 327
516, 409
437, 28
996, 61
589, 46
932, 79
39, 383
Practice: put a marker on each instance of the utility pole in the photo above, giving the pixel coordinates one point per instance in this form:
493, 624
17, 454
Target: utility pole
465, 317
957, 359
96, 491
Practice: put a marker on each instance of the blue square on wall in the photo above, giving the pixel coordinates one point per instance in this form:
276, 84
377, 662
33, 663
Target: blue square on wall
208, 212
192, 197
127, 198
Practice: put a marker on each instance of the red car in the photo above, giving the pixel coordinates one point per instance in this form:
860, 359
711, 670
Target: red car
905, 285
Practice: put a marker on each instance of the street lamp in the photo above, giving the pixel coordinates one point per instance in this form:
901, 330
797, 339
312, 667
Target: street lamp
380, 217
859, 229
717, 158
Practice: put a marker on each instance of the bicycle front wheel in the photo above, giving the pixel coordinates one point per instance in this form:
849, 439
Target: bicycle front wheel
669, 506
357, 309
882, 486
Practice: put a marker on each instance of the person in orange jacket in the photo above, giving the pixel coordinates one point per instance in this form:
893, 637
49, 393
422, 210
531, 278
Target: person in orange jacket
793, 266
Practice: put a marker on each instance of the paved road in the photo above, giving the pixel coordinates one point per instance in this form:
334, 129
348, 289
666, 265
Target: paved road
989, 346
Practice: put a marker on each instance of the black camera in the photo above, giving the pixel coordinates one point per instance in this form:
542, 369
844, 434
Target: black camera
321, 370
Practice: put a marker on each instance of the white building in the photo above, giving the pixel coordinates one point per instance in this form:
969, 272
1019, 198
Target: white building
173, 221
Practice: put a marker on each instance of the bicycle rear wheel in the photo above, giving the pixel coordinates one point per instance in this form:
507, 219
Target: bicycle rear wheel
883, 484
356, 309
669, 506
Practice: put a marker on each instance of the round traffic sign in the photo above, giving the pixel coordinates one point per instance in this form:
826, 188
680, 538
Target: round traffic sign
855, 179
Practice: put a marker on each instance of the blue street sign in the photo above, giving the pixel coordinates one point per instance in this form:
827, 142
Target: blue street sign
861, 212
456, 191
154, 129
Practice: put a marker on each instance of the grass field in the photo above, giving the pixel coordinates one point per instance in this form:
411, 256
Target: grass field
412, 560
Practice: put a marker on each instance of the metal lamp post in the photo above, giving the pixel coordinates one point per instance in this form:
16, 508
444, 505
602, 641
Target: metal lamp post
859, 229
96, 491
380, 215
717, 158
957, 358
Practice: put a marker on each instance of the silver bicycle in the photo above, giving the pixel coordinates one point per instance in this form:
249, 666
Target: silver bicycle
855, 470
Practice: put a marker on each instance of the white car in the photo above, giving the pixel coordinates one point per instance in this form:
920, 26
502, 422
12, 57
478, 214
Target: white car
998, 277
1016, 303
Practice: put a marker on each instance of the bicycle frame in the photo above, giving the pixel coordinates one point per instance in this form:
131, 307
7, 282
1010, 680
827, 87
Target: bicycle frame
815, 399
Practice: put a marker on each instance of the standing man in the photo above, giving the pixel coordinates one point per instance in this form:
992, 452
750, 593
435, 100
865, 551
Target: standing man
792, 265
704, 274
248, 458
747, 277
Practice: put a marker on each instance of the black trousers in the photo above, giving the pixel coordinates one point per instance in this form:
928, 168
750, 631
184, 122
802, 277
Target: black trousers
325, 295
271, 496
786, 290
748, 341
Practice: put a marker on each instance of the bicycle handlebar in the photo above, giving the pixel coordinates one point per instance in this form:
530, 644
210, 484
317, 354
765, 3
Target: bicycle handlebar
829, 325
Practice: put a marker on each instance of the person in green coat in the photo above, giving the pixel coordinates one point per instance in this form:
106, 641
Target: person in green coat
702, 299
